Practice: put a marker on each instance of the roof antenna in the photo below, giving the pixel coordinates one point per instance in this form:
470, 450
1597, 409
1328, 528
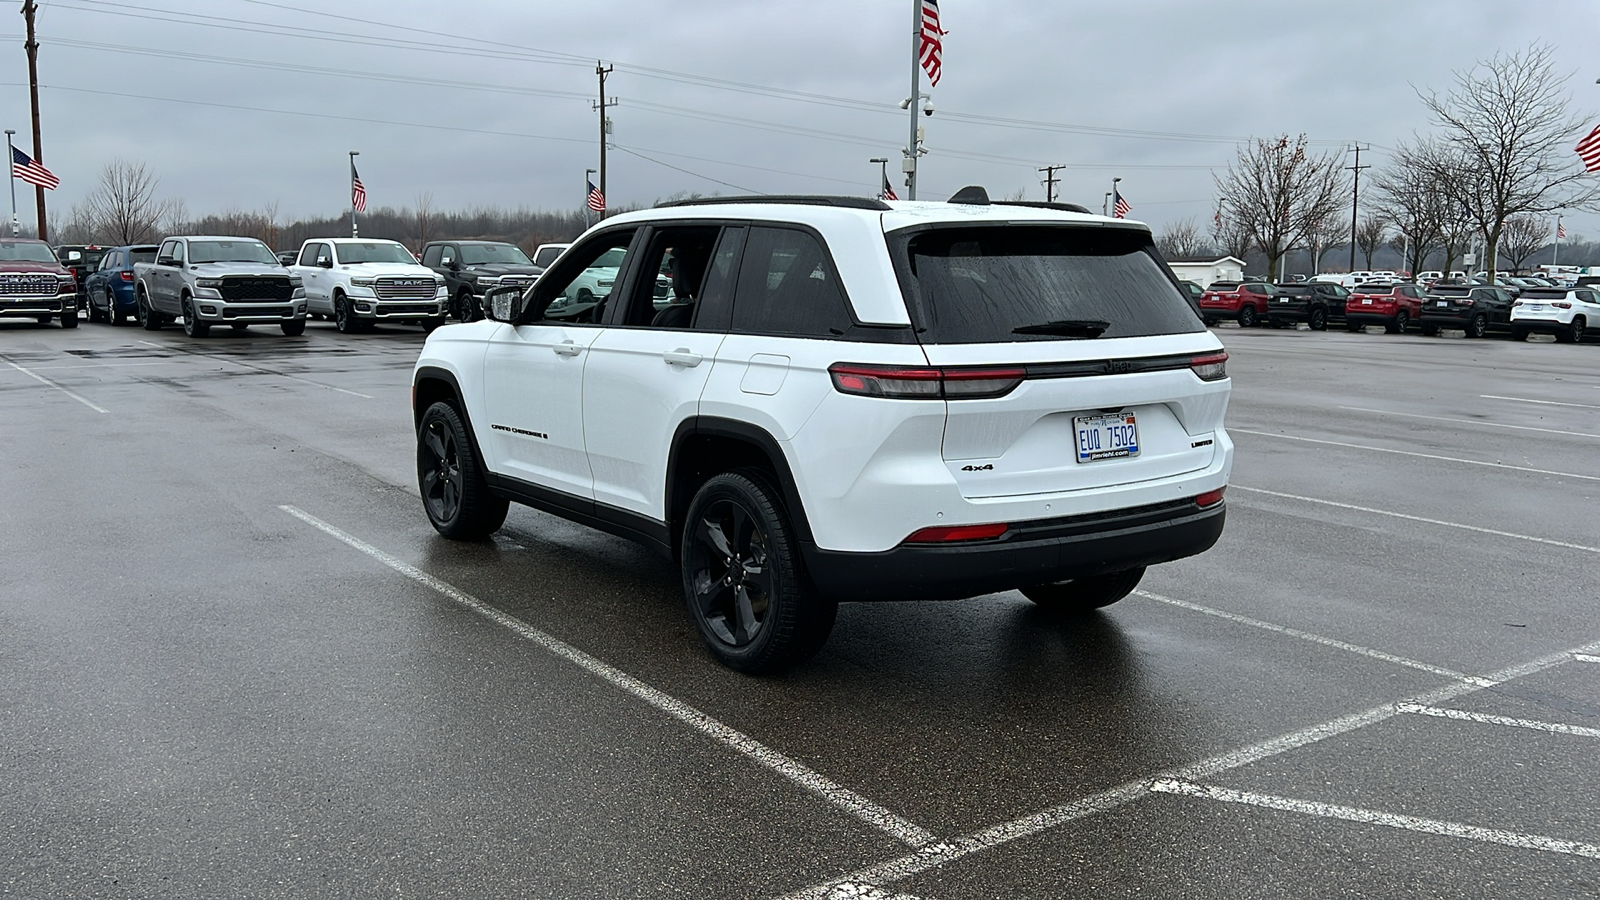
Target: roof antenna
972, 194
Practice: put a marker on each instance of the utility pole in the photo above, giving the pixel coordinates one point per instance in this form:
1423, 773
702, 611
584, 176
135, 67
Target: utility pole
1049, 182
1355, 198
605, 127
32, 46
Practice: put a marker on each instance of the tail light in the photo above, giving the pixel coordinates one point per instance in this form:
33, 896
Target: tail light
1213, 367
929, 383
953, 534
127, 276
1561, 305
1210, 498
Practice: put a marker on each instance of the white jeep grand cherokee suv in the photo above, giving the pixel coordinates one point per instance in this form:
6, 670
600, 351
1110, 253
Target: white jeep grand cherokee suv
844, 399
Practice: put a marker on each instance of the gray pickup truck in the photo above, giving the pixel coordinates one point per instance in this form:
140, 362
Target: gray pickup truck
234, 281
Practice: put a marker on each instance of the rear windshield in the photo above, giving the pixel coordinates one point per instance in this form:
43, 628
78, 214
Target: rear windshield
1544, 294
1449, 291
1382, 287
979, 285
1297, 290
1223, 285
142, 255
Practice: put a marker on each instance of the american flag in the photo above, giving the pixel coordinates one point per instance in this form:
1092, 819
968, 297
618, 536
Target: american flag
1589, 149
1561, 230
1119, 209
931, 50
358, 191
888, 192
23, 166
597, 200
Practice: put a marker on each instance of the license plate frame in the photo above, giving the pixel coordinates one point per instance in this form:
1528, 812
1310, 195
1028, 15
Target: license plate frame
1104, 436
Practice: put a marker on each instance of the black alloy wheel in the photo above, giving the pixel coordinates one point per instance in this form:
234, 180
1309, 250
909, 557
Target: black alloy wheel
1078, 596
1479, 326
192, 326
149, 319
742, 580
1247, 316
1401, 320
343, 319
467, 307
454, 491
1572, 334
1318, 320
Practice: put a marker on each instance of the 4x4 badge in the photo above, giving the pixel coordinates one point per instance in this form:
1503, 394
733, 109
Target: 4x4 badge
987, 467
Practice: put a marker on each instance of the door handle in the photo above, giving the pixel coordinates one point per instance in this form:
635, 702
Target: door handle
682, 357
568, 348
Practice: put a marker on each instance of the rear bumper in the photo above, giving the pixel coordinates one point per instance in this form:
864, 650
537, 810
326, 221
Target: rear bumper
1445, 318
1367, 318
1035, 552
1542, 326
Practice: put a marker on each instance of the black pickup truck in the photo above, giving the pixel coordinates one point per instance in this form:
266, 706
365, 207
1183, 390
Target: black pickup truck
472, 268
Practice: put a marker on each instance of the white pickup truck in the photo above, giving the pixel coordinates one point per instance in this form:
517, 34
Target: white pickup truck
359, 282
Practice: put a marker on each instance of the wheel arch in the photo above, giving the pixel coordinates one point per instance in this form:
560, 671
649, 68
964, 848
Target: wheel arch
703, 446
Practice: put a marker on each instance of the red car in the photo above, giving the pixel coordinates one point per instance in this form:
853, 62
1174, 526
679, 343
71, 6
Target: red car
1246, 301
1394, 306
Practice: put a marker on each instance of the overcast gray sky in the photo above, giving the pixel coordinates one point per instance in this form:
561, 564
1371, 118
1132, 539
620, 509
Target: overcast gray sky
236, 104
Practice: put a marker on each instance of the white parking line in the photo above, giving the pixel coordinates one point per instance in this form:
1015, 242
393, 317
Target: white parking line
1385, 412
864, 892
264, 371
1313, 638
1375, 817
845, 799
1584, 657
1540, 402
43, 380
103, 365
1483, 719
1454, 459
1384, 512
936, 855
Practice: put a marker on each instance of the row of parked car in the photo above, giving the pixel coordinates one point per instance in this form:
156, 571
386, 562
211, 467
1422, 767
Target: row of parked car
209, 281
1464, 305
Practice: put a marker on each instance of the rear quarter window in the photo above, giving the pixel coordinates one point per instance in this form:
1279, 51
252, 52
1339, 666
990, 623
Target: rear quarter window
788, 285
1004, 283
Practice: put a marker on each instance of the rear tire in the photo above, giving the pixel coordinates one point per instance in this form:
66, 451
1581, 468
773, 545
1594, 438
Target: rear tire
1429, 330
1478, 327
742, 577
1520, 334
1355, 327
455, 492
1318, 320
1078, 596
1401, 320
149, 319
1572, 334
1247, 316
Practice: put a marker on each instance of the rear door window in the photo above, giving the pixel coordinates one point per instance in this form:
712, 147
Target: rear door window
1003, 283
788, 285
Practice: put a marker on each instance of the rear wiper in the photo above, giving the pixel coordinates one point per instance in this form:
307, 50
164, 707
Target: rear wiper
1087, 328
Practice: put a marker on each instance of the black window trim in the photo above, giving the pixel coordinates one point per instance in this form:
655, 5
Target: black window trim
614, 314
623, 284
860, 332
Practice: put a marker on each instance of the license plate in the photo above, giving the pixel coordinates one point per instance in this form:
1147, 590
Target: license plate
1536, 307
1366, 301
1443, 303
1106, 437
1283, 300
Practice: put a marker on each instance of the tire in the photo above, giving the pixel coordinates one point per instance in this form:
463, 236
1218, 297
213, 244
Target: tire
69, 319
1318, 320
429, 324
466, 307
113, 315
1355, 327
1572, 334
295, 328
1429, 330
742, 577
192, 326
43, 320
1247, 316
455, 493
1084, 595
1478, 327
343, 318
1209, 322
149, 319
1398, 326
95, 315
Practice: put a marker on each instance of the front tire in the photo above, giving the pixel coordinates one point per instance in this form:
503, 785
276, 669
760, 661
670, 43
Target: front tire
455, 492
343, 318
1079, 596
192, 326
742, 577
69, 319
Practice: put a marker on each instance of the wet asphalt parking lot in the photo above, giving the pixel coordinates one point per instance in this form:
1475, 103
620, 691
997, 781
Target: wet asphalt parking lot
235, 660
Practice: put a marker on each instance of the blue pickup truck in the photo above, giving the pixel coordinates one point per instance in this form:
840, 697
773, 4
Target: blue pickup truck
110, 286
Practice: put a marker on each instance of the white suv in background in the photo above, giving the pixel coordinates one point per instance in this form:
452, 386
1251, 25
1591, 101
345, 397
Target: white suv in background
844, 400
1567, 313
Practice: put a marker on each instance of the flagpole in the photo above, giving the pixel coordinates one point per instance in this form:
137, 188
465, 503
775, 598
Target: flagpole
11, 154
353, 155
1554, 254
916, 96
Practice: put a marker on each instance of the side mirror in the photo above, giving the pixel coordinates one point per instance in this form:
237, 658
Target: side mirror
506, 303
166, 261
324, 262
452, 265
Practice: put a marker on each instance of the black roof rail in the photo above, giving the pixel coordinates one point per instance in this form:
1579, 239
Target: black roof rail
1040, 204
801, 199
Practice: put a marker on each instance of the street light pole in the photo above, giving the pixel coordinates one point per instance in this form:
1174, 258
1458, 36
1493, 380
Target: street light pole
883, 174
912, 147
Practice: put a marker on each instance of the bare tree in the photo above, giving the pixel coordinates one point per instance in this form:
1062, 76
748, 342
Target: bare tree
1231, 233
1183, 240
1456, 235
424, 230
124, 207
1524, 236
1503, 148
1324, 236
1408, 198
1369, 236
1279, 191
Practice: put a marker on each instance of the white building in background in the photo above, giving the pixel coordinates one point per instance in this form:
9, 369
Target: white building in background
1204, 270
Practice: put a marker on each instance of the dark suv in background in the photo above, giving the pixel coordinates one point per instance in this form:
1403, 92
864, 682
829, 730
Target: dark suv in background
1314, 303
1474, 309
